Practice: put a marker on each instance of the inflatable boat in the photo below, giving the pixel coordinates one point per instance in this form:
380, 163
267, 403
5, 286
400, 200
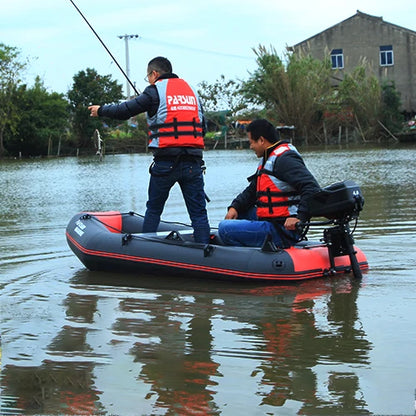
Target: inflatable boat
114, 241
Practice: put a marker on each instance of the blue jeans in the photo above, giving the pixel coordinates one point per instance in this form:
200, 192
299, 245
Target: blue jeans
189, 175
252, 233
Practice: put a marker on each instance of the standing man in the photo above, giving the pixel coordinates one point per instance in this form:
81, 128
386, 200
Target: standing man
278, 190
176, 137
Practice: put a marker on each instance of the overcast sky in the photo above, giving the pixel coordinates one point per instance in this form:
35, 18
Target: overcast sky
203, 40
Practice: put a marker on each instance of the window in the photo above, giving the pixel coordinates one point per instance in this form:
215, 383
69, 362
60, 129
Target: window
386, 55
337, 58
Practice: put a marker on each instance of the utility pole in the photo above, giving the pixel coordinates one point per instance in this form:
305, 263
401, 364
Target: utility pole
126, 43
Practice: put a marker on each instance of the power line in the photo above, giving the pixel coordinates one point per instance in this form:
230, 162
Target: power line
174, 45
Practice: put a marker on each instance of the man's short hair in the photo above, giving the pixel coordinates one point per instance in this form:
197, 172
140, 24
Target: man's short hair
160, 64
263, 127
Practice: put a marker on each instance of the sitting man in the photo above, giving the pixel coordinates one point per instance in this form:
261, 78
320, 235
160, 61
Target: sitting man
278, 190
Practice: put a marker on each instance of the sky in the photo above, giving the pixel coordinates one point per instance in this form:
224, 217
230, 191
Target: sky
203, 40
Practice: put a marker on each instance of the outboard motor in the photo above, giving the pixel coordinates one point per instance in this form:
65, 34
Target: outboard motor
341, 200
340, 203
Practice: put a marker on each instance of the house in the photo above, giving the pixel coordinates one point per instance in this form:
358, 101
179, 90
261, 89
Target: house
389, 49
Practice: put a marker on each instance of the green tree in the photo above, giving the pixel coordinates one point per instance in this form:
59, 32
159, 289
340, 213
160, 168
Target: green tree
295, 92
256, 88
11, 68
43, 119
361, 91
223, 95
391, 113
223, 104
90, 88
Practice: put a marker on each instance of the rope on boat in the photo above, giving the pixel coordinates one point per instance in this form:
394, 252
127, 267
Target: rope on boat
128, 236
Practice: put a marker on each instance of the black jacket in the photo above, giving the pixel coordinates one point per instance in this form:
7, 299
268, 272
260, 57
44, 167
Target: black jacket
147, 102
291, 169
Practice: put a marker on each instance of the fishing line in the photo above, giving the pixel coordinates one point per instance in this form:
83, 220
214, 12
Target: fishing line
105, 47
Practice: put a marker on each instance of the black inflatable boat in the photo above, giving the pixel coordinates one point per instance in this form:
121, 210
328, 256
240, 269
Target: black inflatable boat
113, 241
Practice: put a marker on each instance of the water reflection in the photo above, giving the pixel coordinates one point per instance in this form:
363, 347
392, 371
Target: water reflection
175, 353
76, 342
179, 347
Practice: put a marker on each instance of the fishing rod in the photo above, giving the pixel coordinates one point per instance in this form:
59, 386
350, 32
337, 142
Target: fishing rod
105, 47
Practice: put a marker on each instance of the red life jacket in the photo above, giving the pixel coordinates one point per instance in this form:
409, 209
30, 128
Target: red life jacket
275, 198
178, 120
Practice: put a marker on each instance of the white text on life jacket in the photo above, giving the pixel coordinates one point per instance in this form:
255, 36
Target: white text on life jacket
181, 99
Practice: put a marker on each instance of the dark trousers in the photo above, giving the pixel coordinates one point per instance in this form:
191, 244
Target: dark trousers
249, 231
189, 175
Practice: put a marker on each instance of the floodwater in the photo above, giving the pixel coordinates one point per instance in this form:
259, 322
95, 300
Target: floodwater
81, 342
